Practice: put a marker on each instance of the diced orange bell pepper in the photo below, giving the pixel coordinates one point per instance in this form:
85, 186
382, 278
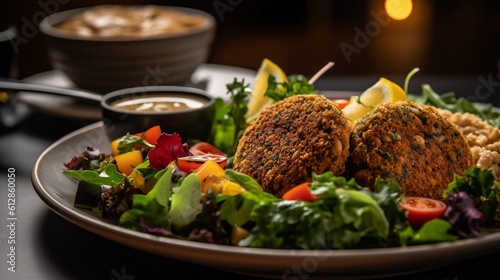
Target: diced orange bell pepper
209, 167
150, 135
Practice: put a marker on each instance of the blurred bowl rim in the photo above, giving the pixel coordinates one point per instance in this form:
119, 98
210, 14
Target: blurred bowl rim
145, 90
47, 26
7, 32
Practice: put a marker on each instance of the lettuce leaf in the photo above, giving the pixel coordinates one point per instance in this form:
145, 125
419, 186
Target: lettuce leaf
433, 231
168, 206
151, 208
345, 216
186, 202
483, 189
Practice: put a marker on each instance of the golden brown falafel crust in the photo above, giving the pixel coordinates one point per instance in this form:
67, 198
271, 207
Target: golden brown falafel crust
291, 139
411, 144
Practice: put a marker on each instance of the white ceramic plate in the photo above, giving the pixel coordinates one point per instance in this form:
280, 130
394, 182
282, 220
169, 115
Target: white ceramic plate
58, 191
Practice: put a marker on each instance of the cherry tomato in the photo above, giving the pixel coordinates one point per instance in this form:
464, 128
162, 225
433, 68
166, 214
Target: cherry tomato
202, 148
300, 192
421, 210
341, 103
189, 163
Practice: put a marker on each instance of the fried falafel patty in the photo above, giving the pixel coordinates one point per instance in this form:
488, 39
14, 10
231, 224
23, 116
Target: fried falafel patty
411, 144
291, 139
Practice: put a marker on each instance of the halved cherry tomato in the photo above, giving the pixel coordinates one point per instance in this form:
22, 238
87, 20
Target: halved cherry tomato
421, 210
186, 164
300, 192
341, 102
203, 148
150, 135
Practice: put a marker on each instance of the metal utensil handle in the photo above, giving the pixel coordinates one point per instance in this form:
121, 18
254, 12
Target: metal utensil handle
8, 84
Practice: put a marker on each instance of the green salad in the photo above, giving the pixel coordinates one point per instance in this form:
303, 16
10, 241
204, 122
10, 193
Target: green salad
174, 190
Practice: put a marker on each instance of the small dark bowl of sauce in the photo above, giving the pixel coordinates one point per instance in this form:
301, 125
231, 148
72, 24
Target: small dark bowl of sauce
186, 111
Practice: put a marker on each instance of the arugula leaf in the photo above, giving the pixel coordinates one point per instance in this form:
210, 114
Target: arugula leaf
111, 178
448, 101
145, 171
129, 142
298, 84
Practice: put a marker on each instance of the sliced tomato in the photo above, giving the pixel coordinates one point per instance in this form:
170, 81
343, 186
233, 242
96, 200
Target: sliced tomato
341, 103
189, 163
203, 148
421, 210
150, 135
300, 192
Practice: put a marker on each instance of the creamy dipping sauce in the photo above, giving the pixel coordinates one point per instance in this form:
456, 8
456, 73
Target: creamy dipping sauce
143, 21
159, 103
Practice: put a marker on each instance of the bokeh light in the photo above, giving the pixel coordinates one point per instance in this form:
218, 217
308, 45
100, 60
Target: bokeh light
398, 9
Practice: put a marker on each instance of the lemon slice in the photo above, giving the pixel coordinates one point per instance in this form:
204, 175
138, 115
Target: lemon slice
257, 99
383, 91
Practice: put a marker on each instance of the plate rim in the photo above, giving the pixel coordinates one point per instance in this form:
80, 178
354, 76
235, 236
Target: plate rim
285, 257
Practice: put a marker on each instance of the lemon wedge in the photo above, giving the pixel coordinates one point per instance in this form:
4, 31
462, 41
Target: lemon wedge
257, 100
383, 91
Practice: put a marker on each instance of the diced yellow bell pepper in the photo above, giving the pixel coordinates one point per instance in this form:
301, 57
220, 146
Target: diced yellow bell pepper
125, 161
237, 234
232, 188
220, 186
213, 183
139, 181
114, 146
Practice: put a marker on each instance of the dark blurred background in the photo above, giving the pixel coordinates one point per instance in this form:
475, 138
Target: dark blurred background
442, 38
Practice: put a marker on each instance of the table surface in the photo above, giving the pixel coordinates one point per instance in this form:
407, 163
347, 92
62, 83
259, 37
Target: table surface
49, 247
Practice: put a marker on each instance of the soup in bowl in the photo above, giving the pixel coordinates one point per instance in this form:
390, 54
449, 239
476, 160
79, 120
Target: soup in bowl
186, 111
106, 48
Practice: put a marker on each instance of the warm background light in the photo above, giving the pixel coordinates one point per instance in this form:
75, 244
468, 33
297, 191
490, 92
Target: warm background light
398, 9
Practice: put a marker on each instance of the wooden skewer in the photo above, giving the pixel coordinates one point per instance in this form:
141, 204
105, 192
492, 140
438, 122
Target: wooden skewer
321, 72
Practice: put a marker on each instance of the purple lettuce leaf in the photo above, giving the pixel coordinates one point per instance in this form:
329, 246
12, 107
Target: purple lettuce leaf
463, 216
